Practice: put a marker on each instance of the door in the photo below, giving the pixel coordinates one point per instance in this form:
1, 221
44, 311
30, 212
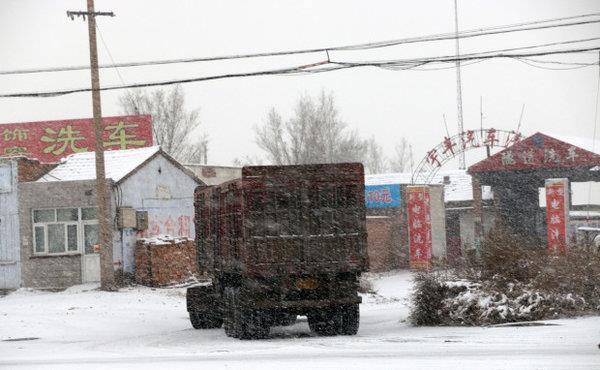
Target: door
90, 263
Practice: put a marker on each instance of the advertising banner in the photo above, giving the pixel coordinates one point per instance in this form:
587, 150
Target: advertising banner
49, 141
419, 226
382, 196
557, 215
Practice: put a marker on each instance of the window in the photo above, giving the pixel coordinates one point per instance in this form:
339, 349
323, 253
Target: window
64, 230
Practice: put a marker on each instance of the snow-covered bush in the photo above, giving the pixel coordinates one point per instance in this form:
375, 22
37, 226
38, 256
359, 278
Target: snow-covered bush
511, 282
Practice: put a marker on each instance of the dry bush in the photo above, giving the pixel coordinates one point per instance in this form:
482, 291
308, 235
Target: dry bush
507, 259
511, 281
426, 300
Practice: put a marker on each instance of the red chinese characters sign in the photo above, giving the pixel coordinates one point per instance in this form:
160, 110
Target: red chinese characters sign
535, 152
557, 211
419, 227
49, 141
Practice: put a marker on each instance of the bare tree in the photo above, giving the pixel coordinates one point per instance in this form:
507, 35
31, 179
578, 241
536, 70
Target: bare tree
315, 134
174, 128
375, 161
402, 157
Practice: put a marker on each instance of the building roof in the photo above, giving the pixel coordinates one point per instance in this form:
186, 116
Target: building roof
458, 189
538, 151
215, 175
118, 164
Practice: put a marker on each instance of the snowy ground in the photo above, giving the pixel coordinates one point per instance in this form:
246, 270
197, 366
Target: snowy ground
141, 328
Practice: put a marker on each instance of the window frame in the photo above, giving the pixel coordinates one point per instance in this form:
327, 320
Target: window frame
79, 224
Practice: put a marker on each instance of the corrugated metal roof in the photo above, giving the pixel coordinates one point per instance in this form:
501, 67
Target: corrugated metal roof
82, 166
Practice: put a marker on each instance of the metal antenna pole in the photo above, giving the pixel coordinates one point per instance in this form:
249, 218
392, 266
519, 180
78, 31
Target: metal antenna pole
462, 164
107, 273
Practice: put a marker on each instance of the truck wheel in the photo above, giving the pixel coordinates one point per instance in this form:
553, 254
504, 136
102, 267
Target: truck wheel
350, 316
325, 321
253, 324
248, 323
229, 314
205, 320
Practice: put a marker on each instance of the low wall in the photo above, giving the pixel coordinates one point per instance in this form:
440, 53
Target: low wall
164, 261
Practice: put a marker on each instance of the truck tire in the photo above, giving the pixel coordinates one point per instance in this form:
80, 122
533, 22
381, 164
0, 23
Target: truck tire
249, 323
229, 321
325, 321
205, 320
350, 316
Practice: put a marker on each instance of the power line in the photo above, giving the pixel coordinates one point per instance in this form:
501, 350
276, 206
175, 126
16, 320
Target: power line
110, 55
535, 25
323, 66
475, 55
532, 64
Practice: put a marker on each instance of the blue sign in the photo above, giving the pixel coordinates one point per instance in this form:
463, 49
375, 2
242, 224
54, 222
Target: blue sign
382, 196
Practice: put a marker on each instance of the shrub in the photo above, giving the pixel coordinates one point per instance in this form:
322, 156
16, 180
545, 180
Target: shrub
512, 281
427, 297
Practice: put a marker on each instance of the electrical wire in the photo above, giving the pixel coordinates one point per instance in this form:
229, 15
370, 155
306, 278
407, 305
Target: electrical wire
109, 55
319, 67
474, 55
525, 61
535, 25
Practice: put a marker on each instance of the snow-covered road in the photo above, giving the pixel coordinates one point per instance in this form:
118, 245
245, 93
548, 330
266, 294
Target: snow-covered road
141, 328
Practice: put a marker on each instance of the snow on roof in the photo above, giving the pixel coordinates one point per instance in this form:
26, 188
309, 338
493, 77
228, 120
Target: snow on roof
82, 166
459, 188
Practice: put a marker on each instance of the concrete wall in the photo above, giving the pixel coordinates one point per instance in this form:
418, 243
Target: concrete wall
215, 175
52, 271
467, 227
167, 193
438, 221
10, 257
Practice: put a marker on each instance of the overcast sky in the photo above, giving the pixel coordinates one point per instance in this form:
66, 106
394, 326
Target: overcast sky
385, 104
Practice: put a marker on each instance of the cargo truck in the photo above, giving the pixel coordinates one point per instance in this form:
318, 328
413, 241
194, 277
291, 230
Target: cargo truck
281, 241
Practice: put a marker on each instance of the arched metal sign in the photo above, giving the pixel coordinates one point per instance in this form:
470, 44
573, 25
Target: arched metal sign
452, 146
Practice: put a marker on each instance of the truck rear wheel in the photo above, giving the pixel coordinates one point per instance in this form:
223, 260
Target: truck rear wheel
241, 322
325, 321
335, 320
205, 320
252, 324
350, 319
229, 314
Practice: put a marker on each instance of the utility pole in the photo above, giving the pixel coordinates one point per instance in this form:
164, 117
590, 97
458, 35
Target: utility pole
107, 274
462, 164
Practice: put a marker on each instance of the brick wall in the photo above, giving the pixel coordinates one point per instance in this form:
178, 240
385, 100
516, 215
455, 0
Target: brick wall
160, 262
32, 170
387, 239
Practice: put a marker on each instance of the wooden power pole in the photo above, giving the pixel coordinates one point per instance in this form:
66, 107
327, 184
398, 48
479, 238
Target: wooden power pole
107, 274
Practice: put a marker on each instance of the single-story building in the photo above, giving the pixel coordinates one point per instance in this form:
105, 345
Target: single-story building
150, 194
12, 172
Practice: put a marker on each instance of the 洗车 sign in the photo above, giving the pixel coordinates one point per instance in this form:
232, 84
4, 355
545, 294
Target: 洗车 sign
382, 196
49, 141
